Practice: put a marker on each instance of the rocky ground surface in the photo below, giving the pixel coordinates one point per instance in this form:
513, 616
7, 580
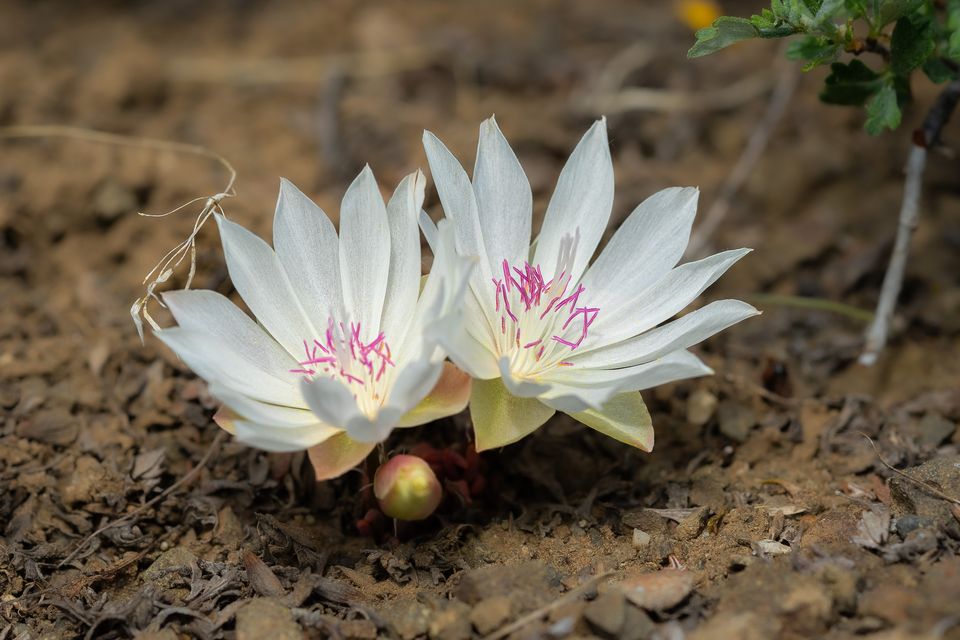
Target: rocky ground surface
764, 511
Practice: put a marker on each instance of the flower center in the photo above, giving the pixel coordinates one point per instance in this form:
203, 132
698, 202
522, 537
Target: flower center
541, 321
342, 354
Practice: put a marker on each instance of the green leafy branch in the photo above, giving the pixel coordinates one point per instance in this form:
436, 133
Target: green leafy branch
904, 36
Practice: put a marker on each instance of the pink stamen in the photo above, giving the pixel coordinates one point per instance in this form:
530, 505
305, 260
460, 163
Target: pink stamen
341, 353
543, 297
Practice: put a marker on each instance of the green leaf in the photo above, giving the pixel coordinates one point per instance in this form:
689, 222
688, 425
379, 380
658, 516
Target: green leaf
938, 71
883, 112
892, 10
501, 418
953, 45
766, 20
815, 50
724, 32
911, 44
850, 84
624, 417
856, 8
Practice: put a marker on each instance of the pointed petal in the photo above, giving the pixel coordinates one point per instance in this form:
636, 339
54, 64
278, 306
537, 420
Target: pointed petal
582, 201
216, 361
336, 456
307, 246
203, 311
571, 398
403, 283
640, 311
467, 352
429, 229
281, 439
645, 247
500, 418
624, 418
504, 199
680, 334
364, 252
258, 276
460, 206
271, 415
448, 397
678, 365
441, 303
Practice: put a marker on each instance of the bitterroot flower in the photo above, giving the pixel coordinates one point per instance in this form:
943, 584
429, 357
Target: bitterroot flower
344, 347
544, 330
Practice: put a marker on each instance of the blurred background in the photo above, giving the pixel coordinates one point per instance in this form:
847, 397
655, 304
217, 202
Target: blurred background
312, 91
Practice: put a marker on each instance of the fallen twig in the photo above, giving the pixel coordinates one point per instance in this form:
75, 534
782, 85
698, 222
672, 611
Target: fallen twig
926, 485
816, 304
214, 447
570, 596
164, 269
783, 90
649, 99
925, 138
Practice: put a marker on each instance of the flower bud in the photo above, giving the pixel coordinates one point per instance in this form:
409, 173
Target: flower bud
407, 488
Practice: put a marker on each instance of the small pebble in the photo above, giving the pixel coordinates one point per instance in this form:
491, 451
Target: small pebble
640, 539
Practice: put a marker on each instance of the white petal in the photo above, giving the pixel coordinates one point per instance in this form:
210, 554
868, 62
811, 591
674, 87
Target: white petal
403, 284
674, 366
263, 284
582, 201
307, 246
429, 229
204, 311
573, 399
441, 302
504, 199
412, 384
366, 430
467, 352
364, 252
645, 247
460, 206
636, 312
330, 400
258, 374
272, 415
680, 334
281, 440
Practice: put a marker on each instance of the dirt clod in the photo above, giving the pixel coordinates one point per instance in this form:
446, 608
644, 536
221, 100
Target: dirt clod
911, 498
490, 614
452, 622
658, 590
261, 618
607, 613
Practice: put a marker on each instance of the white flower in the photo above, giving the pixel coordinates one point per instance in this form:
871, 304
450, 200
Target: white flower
544, 331
345, 344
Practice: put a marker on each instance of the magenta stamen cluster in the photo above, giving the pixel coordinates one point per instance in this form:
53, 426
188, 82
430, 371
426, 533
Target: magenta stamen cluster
341, 352
542, 297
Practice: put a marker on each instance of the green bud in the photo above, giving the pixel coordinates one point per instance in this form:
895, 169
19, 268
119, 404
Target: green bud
407, 488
